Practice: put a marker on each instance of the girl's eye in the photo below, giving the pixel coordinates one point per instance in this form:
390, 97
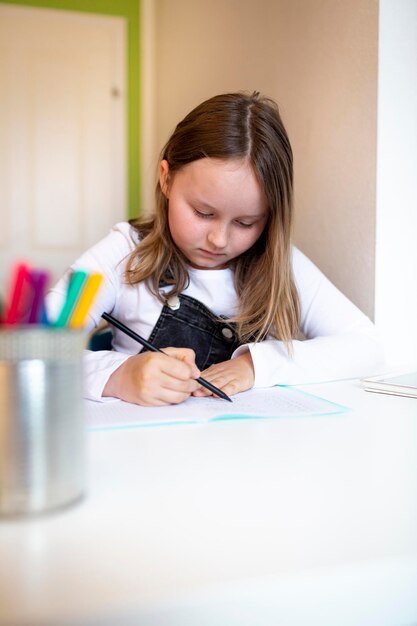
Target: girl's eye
206, 216
202, 215
243, 225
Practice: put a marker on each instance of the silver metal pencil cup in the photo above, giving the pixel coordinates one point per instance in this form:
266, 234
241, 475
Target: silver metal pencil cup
41, 419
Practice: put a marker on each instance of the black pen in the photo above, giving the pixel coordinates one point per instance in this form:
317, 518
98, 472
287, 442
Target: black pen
131, 333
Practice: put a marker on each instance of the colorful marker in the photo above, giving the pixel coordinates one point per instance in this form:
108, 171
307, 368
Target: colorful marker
39, 280
90, 290
19, 295
75, 286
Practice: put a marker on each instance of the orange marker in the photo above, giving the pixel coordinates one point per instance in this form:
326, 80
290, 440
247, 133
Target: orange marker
88, 294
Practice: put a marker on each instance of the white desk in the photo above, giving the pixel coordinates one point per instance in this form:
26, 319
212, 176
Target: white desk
308, 521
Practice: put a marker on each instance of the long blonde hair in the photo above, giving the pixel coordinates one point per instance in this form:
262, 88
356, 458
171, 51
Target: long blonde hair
231, 126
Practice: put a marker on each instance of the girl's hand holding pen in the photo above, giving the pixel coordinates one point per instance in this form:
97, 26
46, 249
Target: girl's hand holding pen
154, 378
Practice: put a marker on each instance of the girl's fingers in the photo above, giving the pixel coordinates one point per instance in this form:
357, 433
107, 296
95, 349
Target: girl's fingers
173, 377
232, 376
154, 379
161, 389
185, 356
230, 388
171, 383
167, 396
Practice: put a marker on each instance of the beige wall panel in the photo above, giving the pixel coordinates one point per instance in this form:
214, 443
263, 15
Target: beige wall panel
330, 80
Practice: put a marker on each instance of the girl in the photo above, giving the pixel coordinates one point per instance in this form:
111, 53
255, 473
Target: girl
212, 277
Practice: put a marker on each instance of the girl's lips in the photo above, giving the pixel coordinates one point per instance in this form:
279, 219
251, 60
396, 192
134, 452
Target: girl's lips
212, 254
205, 259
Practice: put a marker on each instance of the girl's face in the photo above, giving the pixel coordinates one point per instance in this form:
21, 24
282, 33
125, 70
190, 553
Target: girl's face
216, 211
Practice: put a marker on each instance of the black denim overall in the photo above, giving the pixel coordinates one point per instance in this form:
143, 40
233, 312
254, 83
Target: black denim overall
187, 323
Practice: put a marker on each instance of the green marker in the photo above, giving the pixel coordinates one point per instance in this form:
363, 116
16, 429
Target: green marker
75, 286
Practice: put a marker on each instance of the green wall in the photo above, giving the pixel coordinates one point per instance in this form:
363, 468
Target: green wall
128, 9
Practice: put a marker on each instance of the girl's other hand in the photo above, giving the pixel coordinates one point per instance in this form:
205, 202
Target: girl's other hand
230, 376
155, 379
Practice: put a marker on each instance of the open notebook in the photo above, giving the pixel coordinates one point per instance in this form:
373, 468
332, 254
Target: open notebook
253, 404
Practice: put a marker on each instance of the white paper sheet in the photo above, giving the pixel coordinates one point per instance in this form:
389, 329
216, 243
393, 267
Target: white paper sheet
253, 404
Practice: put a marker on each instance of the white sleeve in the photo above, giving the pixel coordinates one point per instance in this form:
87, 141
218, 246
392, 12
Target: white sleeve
97, 369
340, 341
108, 258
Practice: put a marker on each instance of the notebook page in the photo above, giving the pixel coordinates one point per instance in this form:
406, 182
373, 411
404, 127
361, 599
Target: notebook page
256, 403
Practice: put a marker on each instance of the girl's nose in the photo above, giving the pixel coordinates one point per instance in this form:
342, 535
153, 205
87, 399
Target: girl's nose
217, 236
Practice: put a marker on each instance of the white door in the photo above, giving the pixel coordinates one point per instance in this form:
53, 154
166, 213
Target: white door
62, 134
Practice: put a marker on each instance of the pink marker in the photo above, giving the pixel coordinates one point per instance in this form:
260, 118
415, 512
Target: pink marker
18, 291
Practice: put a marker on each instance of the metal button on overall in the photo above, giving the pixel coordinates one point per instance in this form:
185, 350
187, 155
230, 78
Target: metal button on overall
227, 332
174, 303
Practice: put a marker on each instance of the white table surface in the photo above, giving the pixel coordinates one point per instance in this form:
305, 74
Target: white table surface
299, 521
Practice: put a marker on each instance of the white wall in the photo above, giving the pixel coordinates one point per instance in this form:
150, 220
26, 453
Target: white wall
318, 59
396, 211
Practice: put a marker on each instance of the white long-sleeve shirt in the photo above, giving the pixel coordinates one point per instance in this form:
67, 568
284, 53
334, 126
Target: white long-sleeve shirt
340, 341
